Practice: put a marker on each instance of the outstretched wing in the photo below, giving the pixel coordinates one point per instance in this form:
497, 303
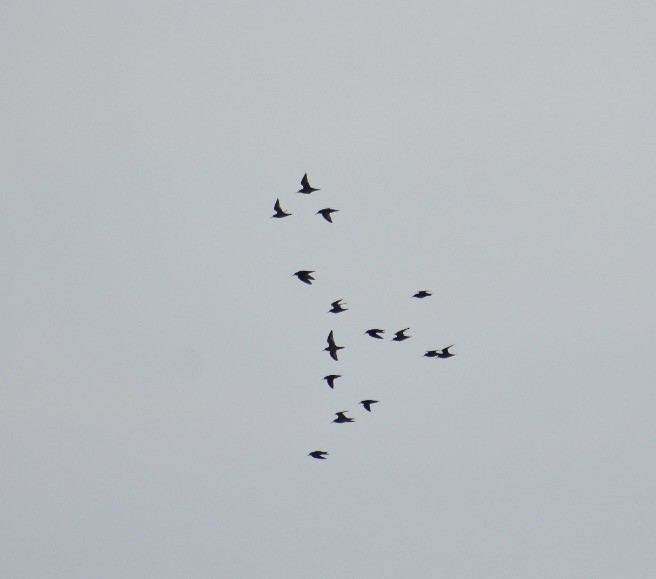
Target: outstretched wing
305, 182
333, 354
331, 340
277, 207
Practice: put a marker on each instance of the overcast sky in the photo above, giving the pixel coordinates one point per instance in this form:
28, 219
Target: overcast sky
161, 369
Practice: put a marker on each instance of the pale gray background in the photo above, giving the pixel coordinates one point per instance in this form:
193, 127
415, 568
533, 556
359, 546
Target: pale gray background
161, 370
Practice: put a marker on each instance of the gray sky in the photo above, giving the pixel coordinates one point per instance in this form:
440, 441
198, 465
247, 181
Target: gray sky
160, 369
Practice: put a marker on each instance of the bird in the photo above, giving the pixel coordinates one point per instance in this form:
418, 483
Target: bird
422, 294
318, 454
279, 211
444, 353
331, 379
306, 186
341, 418
326, 213
367, 404
374, 333
337, 307
400, 336
431, 354
332, 347
305, 276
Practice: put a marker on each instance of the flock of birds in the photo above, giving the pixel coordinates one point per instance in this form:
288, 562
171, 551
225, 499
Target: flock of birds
337, 307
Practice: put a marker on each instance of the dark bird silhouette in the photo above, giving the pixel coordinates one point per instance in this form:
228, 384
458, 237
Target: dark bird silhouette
305, 276
279, 211
341, 418
374, 333
367, 404
431, 354
444, 353
331, 379
332, 347
326, 213
306, 186
422, 294
318, 454
400, 336
337, 307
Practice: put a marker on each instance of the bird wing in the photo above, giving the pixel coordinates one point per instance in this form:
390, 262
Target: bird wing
277, 207
331, 340
327, 217
446, 350
305, 182
333, 354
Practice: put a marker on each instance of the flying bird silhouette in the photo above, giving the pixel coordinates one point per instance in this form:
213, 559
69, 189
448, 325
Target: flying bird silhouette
341, 418
305, 276
279, 211
443, 353
318, 454
400, 336
337, 307
326, 213
374, 333
331, 379
422, 294
306, 186
367, 404
332, 347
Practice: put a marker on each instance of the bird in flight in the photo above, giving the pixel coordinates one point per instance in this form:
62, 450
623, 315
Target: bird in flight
320, 454
337, 307
306, 186
332, 347
305, 276
326, 213
375, 333
341, 418
422, 294
367, 404
443, 353
400, 336
279, 210
331, 379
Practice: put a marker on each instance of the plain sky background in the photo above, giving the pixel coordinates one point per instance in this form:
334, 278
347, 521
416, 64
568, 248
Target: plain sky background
160, 368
